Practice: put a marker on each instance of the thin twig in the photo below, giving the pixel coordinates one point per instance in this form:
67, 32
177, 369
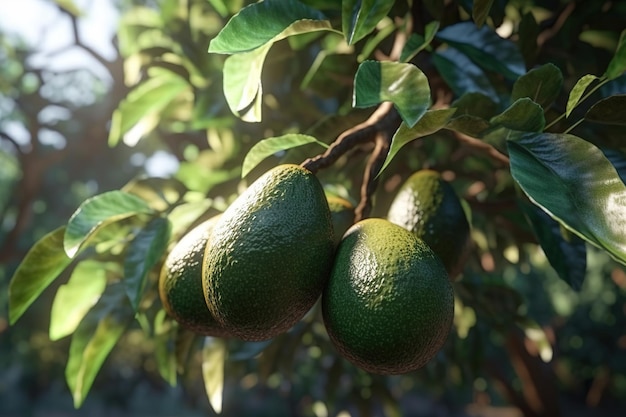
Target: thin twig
483, 147
370, 176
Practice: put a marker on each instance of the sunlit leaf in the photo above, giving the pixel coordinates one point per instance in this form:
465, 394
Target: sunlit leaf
165, 350
360, 17
431, 122
184, 215
70, 7
213, 356
617, 65
542, 85
577, 92
403, 84
461, 74
270, 146
264, 22
142, 255
74, 299
523, 115
96, 212
576, 184
417, 42
608, 111
159, 193
618, 159
43, 263
480, 11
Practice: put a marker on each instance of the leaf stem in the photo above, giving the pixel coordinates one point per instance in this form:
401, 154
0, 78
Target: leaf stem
572, 127
583, 98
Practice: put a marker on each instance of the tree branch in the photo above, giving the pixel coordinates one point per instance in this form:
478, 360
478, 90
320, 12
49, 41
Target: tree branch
370, 180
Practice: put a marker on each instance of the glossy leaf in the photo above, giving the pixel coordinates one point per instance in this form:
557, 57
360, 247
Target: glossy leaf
542, 85
576, 184
213, 357
577, 92
618, 159
96, 212
480, 11
431, 122
403, 84
417, 42
266, 21
486, 48
608, 111
360, 17
40, 267
142, 255
94, 339
74, 299
565, 251
461, 74
524, 115
270, 146
617, 65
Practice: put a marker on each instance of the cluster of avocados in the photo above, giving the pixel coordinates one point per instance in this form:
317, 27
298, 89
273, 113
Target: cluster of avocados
256, 269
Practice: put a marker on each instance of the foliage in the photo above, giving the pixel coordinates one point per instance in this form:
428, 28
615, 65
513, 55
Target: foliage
518, 104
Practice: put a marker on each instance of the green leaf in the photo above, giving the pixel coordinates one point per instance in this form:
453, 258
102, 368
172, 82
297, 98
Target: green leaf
213, 357
360, 17
524, 115
527, 37
608, 111
264, 22
480, 11
42, 264
93, 340
74, 299
475, 104
165, 347
617, 65
577, 92
469, 125
542, 85
461, 74
486, 48
431, 122
270, 146
96, 212
576, 184
565, 251
140, 109
417, 42
403, 84
70, 7
159, 193
143, 253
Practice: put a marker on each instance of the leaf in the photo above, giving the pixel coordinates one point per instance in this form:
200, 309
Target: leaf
265, 22
142, 255
165, 347
480, 11
417, 42
608, 111
461, 74
542, 85
42, 264
139, 110
485, 47
468, 125
96, 212
524, 115
70, 7
475, 104
618, 159
74, 299
360, 17
572, 180
401, 83
527, 37
270, 146
565, 251
617, 65
93, 340
213, 356
158, 193
577, 92
431, 122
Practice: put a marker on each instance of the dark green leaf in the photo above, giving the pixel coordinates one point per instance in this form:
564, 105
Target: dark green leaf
468, 125
417, 42
42, 264
475, 104
213, 356
431, 122
264, 22
403, 84
486, 48
608, 111
573, 181
565, 251
143, 253
480, 11
618, 159
524, 115
577, 92
542, 85
617, 65
360, 17
461, 74
74, 299
528, 32
93, 340
96, 212
270, 146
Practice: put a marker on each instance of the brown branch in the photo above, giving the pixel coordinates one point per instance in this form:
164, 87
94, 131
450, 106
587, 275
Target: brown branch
13, 142
370, 176
482, 147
